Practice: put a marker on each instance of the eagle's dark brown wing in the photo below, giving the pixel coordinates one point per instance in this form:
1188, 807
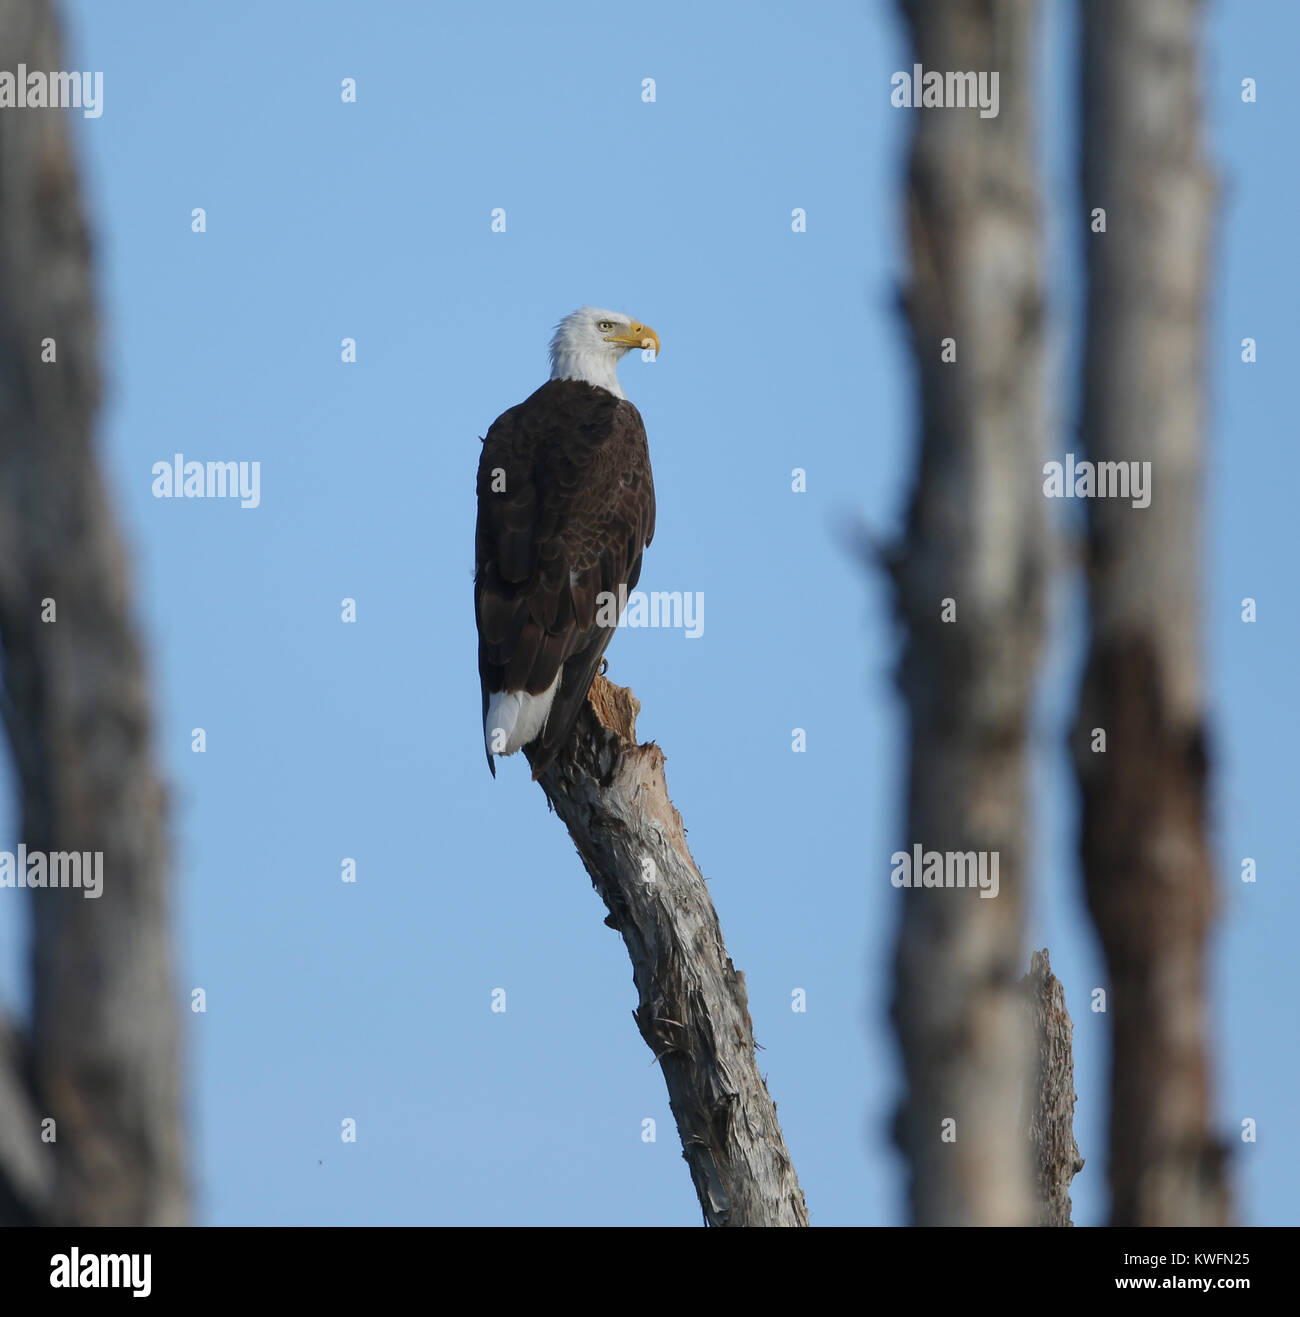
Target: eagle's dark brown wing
566, 507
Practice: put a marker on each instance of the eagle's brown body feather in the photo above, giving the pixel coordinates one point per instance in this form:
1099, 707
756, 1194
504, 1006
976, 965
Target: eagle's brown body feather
572, 512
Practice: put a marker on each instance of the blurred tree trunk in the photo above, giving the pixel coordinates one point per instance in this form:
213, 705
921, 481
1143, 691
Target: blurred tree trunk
100, 1057
1145, 853
976, 537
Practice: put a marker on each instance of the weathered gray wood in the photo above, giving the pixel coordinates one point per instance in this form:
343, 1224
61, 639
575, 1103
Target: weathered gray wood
1049, 1103
692, 1011
101, 1054
1146, 858
976, 535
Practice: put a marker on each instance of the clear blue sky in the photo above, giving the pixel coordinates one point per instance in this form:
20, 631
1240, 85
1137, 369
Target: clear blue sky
781, 350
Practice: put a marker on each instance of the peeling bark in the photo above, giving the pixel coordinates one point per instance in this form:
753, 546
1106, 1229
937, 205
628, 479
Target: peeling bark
1146, 858
692, 1011
101, 1054
1049, 1104
977, 537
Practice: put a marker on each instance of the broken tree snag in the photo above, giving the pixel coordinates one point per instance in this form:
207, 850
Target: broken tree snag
100, 1054
1139, 741
969, 591
1049, 1105
693, 1010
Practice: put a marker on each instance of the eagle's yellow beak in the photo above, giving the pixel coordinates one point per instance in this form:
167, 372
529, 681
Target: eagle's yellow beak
637, 336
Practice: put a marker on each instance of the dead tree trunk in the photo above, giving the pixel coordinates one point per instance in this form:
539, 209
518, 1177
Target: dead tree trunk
1146, 860
99, 1058
1049, 1103
970, 586
693, 1010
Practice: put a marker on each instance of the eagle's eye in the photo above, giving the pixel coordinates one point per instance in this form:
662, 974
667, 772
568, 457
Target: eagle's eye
605, 326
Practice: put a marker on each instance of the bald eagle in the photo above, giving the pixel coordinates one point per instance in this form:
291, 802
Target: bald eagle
566, 506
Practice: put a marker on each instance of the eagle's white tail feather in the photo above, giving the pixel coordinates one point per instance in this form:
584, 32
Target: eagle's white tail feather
514, 718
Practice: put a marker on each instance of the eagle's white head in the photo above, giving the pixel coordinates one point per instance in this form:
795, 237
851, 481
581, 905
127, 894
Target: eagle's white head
589, 344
